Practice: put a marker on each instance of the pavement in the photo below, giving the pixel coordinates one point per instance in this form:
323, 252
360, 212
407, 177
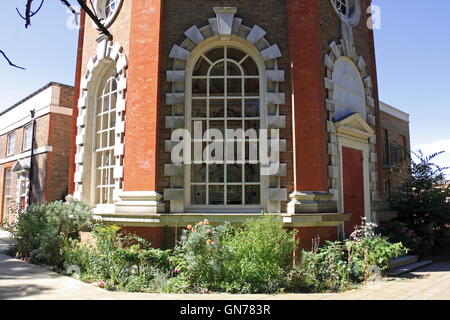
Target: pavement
21, 280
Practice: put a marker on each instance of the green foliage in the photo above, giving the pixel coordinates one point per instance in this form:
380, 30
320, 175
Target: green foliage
338, 266
122, 261
201, 253
422, 204
42, 230
260, 256
396, 231
252, 258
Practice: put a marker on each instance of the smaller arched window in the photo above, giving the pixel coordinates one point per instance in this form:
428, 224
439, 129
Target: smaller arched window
107, 10
105, 139
348, 93
348, 10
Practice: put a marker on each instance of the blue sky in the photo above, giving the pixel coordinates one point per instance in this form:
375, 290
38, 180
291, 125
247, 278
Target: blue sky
412, 47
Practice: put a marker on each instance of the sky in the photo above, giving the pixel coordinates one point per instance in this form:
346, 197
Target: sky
412, 51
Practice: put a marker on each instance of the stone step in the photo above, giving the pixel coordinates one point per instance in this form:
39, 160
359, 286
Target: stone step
411, 267
402, 261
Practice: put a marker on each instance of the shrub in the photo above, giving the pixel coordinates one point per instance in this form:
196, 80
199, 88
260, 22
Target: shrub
42, 230
260, 256
200, 255
423, 207
396, 231
255, 257
122, 261
339, 265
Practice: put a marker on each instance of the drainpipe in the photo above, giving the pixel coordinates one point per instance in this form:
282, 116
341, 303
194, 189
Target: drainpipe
30, 176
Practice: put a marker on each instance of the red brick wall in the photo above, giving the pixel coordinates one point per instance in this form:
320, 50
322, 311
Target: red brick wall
308, 234
156, 236
310, 142
142, 122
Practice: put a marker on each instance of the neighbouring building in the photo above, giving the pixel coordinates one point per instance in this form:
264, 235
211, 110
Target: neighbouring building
396, 147
52, 106
303, 69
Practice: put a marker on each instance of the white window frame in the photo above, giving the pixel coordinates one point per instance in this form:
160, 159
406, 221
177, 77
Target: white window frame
110, 73
353, 11
7, 193
27, 137
10, 143
198, 52
100, 9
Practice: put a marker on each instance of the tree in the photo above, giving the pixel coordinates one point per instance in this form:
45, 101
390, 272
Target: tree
31, 12
422, 202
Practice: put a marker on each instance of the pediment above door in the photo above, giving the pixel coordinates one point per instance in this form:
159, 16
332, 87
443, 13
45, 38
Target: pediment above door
354, 125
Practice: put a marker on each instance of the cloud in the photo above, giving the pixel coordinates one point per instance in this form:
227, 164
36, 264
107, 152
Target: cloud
442, 160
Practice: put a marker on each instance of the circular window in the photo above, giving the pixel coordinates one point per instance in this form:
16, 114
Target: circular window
348, 10
107, 10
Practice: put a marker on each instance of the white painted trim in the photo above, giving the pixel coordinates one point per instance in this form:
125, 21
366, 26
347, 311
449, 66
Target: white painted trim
394, 111
39, 113
246, 47
26, 154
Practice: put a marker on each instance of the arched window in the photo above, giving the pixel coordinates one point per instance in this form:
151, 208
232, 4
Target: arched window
348, 94
107, 10
226, 94
348, 10
105, 123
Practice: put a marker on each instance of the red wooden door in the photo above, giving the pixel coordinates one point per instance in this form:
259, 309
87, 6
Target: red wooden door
353, 187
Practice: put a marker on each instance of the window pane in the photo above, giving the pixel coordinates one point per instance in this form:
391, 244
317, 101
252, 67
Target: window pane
234, 195
199, 87
252, 195
234, 173
252, 108
216, 108
198, 173
198, 194
216, 173
252, 173
216, 195
252, 87
218, 70
234, 108
199, 108
235, 54
201, 67
233, 69
234, 87
217, 87
216, 54
250, 67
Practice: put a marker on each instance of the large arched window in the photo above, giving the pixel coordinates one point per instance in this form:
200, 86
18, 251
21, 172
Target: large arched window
105, 123
348, 93
226, 94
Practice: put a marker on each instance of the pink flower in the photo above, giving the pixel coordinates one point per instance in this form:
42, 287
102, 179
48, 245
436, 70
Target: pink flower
189, 227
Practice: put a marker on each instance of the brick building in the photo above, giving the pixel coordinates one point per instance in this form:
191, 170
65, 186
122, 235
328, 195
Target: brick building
396, 147
52, 107
302, 69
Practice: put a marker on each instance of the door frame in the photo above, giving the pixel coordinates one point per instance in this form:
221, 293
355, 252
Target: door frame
352, 142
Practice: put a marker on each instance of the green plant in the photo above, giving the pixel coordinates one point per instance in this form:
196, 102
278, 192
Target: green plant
422, 204
200, 255
340, 265
121, 261
41, 232
396, 231
259, 256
